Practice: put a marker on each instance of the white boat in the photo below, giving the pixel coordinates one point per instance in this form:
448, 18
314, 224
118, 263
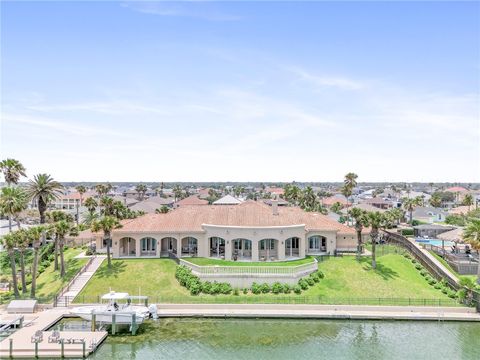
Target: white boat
104, 312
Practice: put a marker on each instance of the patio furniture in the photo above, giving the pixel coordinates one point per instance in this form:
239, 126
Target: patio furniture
37, 337
55, 337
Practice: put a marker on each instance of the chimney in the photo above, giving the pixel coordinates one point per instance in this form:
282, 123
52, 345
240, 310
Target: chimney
275, 207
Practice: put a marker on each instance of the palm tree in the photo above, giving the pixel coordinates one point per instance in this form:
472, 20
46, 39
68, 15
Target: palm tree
61, 229
141, 189
22, 245
106, 203
13, 200
54, 217
106, 224
91, 205
361, 220
292, 193
43, 189
410, 204
349, 183
376, 220
436, 200
471, 235
177, 192
9, 241
81, 190
468, 201
35, 234
162, 210
12, 170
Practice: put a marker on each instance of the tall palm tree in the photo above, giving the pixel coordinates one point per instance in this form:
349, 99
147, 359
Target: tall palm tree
44, 190
361, 220
436, 200
12, 170
81, 190
106, 224
9, 241
471, 235
13, 200
22, 246
106, 203
177, 192
468, 201
54, 217
141, 189
349, 183
91, 205
61, 229
376, 220
35, 235
410, 204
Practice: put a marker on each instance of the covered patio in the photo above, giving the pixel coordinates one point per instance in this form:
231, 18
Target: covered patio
127, 247
168, 245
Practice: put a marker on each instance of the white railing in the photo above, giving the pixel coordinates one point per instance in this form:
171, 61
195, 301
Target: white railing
250, 270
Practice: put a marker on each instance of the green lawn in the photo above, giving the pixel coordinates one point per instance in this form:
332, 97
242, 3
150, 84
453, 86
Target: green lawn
49, 282
345, 280
209, 261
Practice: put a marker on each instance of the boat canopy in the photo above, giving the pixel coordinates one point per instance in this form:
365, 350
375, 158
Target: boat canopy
115, 296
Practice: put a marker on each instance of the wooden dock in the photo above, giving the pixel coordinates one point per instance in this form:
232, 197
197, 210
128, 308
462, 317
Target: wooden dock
20, 345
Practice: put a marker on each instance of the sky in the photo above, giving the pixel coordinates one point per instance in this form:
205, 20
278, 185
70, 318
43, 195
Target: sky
250, 91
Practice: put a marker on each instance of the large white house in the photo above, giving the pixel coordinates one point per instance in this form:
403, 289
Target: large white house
250, 231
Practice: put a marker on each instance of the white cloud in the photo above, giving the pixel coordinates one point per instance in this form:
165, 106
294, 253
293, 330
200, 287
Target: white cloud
339, 82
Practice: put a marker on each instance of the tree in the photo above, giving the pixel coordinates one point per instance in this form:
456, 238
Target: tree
396, 214
410, 204
12, 170
436, 200
349, 183
9, 241
61, 229
177, 192
336, 207
106, 203
361, 220
106, 224
468, 201
54, 217
13, 200
81, 190
43, 189
376, 220
35, 234
162, 210
292, 193
22, 245
471, 235
91, 205
141, 190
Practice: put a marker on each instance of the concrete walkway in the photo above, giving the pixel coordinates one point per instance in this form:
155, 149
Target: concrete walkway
66, 298
319, 311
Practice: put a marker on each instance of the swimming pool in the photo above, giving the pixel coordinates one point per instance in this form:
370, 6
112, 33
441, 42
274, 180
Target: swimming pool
435, 242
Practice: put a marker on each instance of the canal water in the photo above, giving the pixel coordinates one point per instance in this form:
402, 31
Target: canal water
294, 339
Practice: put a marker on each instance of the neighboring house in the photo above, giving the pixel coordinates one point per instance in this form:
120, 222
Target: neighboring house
431, 230
150, 205
280, 202
429, 214
379, 203
71, 201
329, 201
127, 201
364, 206
227, 200
455, 235
250, 231
461, 210
191, 200
275, 190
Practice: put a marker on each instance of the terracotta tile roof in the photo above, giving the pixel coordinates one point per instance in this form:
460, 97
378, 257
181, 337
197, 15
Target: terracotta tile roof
76, 196
329, 201
249, 213
461, 210
275, 190
456, 189
191, 200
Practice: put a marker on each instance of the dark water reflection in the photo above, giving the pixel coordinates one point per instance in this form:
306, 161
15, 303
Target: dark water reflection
295, 339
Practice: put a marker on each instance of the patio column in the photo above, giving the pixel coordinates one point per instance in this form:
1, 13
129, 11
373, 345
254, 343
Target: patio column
228, 249
255, 250
158, 247
302, 242
281, 249
179, 248
137, 247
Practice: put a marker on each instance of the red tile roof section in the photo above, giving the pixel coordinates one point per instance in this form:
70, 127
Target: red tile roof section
249, 213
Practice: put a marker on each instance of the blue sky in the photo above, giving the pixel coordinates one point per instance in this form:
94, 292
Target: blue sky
252, 91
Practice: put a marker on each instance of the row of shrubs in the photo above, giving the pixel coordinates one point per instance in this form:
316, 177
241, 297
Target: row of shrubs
439, 285
185, 277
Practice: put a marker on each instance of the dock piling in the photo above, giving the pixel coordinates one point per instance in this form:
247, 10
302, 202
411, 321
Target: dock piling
62, 348
36, 349
114, 323
83, 349
134, 323
10, 349
94, 318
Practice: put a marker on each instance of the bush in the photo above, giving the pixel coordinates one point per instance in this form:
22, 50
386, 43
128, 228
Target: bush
315, 277
287, 288
215, 288
432, 281
424, 273
445, 290
225, 288
256, 288
437, 286
414, 261
277, 288
303, 284
418, 267
245, 291
297, 289
195, 288
207, 287
320, 274
236, 292
310, 281
452, 294
407, 255
265, 288
407, 232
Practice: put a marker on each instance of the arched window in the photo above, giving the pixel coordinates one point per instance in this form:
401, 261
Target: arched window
317, 243
148, 246
217, 246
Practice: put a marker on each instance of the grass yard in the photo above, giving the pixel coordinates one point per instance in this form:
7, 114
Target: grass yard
345, 279
211, 262
49, 282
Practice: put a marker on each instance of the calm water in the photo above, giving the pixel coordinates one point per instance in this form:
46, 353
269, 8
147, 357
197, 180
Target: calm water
295, 339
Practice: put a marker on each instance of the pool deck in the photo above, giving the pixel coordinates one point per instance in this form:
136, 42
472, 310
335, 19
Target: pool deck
24, 348
360, 312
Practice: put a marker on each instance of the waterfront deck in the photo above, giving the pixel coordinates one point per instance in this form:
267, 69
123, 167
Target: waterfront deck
23, 347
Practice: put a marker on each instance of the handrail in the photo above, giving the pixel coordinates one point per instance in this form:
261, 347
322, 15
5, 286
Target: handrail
70, 283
